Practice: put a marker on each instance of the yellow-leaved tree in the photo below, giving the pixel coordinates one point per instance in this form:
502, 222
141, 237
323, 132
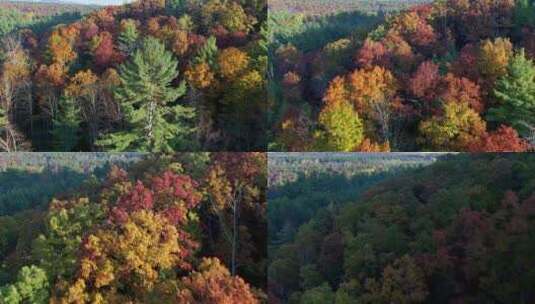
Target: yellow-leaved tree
454, 130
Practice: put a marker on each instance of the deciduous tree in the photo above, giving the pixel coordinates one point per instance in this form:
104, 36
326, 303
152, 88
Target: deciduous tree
132, 254
232, 62
213, 283
6, 140
371, 92
31, 287
425, 81
200, 75
15, 92
504, 139
494, 58
84, 90
403, 282
453, 130
232, 184
66, 226
341, 127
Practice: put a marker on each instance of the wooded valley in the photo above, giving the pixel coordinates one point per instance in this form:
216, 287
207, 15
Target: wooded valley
457, 229
449, 75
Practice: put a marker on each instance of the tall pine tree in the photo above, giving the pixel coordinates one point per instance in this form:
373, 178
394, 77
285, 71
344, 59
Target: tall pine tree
154, 121
66, 124
175, 7
515, 93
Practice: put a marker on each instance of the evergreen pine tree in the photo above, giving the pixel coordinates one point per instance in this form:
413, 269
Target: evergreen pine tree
175, 7
66, 124
147, 98
207, 53
524, 13
516, 95
128, 36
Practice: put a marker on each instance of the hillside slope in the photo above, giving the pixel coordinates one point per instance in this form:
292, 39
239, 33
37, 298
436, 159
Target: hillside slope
446, 76
458, 231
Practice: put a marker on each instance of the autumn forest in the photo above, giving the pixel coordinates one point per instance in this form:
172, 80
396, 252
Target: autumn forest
401, 228
133, 228
224, 75
153, 75
267, 151
449, 75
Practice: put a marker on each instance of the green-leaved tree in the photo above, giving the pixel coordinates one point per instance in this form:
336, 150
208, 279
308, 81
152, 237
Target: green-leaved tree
66, 124
524, 13
515, 93
342, 129
154, 120
31, 287
128, 36
207, 53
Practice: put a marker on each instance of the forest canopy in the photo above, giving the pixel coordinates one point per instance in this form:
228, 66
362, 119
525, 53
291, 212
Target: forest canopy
152, 75
457, 230
183, 228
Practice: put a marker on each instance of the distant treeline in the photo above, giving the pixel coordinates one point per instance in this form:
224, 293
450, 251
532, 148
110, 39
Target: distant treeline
30, 180
288, 167
38, 16
322, 7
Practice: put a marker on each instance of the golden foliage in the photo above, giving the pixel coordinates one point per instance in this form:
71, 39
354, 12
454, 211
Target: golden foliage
369, 146
60, 49
180, 42
200, 75
336, 91
232, 62
53, 74
494, 57
16, 66
131, 255
82, 84
367, 87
